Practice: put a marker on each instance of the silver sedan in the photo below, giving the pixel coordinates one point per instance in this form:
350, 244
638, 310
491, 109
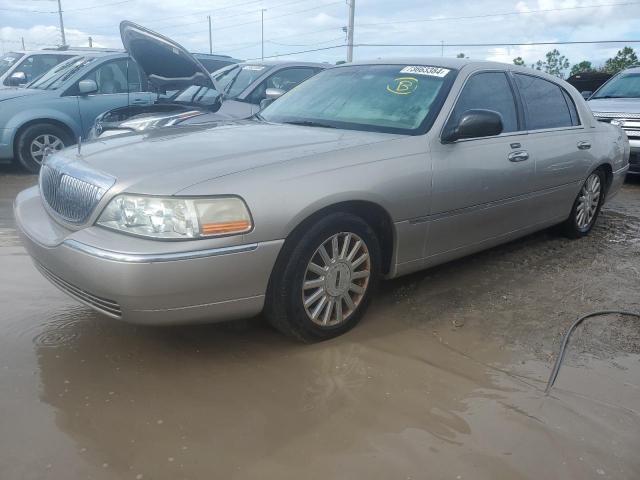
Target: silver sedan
365, 171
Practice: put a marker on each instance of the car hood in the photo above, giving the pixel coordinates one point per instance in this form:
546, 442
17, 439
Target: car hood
615, 105
16, 92
166, 63
165, 161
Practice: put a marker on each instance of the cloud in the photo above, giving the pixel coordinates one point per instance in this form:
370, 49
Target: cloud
236, 26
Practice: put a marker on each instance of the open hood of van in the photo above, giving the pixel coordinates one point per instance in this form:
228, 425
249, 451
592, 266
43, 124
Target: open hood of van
167, 64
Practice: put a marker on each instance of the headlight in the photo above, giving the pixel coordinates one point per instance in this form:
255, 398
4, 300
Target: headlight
176, 218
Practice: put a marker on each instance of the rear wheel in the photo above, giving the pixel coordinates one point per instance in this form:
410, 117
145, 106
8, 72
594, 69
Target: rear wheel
324, 281
37, 141
586, 207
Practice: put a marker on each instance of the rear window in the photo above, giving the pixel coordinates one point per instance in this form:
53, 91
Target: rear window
546, 104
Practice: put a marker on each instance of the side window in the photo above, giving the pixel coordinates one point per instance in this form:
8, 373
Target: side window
488, 91
575, 119
111, 77
136, 80
545, 103
284, 79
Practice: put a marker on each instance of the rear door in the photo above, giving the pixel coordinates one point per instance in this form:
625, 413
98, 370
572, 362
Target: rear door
480, 185
558, 143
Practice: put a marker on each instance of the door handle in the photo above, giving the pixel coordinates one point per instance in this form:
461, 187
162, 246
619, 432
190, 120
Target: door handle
520, 156
138, 101
584, 145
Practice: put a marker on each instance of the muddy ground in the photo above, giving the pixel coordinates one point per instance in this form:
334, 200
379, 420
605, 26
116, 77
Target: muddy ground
443, 379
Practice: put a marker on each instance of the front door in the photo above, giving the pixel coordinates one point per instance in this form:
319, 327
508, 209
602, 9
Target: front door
480, 186
119, 84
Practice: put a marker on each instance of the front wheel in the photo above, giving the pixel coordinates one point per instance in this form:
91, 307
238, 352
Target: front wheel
586, 207
37, 141
323, 283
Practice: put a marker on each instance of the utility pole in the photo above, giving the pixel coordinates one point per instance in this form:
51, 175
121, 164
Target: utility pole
90, 42
262, 29
23, 44
64, 40
210, 35
352, 14
442, 48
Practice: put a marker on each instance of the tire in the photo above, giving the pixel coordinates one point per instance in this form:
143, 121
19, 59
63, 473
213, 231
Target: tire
586, 207
285, 305
35, 140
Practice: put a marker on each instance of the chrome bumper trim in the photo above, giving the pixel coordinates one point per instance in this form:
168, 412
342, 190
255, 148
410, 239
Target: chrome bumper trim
156, 257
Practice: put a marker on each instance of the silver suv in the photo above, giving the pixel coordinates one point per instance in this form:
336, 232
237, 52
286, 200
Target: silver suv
618, 102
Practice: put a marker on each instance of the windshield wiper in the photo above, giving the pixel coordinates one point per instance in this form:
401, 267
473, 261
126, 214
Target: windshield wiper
309, 123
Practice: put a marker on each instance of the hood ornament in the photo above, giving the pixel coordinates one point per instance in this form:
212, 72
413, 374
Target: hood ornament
618, 121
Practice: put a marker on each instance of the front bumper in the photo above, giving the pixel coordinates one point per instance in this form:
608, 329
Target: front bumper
161, 284
6, 143
634, 158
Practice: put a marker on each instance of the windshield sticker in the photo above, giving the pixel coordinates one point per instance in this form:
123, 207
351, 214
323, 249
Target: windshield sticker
253, 67
421, 70
403, 85
9, 59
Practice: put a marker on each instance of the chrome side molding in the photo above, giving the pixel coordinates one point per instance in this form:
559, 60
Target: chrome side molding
156, 257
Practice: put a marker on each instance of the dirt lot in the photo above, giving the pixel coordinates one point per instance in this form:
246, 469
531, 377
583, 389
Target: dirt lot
442, 380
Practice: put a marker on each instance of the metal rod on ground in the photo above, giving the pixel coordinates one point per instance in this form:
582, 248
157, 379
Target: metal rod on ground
262, 30
210, 35
352, 14
64, 40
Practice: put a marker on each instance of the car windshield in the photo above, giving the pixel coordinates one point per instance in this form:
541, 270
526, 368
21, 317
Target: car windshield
7, 60
196, 95
384, 98
234, 80
55, 77
625, 85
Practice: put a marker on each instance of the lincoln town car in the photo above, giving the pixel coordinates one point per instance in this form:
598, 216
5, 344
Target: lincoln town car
366, 171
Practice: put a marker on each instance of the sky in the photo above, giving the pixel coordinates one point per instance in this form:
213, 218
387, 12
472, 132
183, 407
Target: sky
297, 25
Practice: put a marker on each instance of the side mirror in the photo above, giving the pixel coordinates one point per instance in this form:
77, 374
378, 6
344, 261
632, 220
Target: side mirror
474, 124
273, 93
586, 94
85, 87
16, 79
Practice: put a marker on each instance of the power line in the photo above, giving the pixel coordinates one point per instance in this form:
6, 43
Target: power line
504, 14
505, 44
224, 27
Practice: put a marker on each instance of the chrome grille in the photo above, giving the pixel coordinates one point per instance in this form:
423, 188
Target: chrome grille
71, 189
629, 122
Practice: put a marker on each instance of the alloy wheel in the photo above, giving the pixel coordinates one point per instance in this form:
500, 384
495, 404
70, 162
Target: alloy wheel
43, 145
588, 201
336, 279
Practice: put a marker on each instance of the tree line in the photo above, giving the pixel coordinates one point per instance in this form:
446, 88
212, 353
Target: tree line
557, 64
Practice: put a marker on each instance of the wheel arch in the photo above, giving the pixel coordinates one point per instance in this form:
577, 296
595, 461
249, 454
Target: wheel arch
51, 121
371, 212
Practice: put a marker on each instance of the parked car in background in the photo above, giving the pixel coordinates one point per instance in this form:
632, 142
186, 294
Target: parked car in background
618, 102
235, 91
21, 67
60, 106
213, 62
588, 82
365, 170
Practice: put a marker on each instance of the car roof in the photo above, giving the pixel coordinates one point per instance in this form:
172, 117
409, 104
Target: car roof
457, 64
632, 69
285, 63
